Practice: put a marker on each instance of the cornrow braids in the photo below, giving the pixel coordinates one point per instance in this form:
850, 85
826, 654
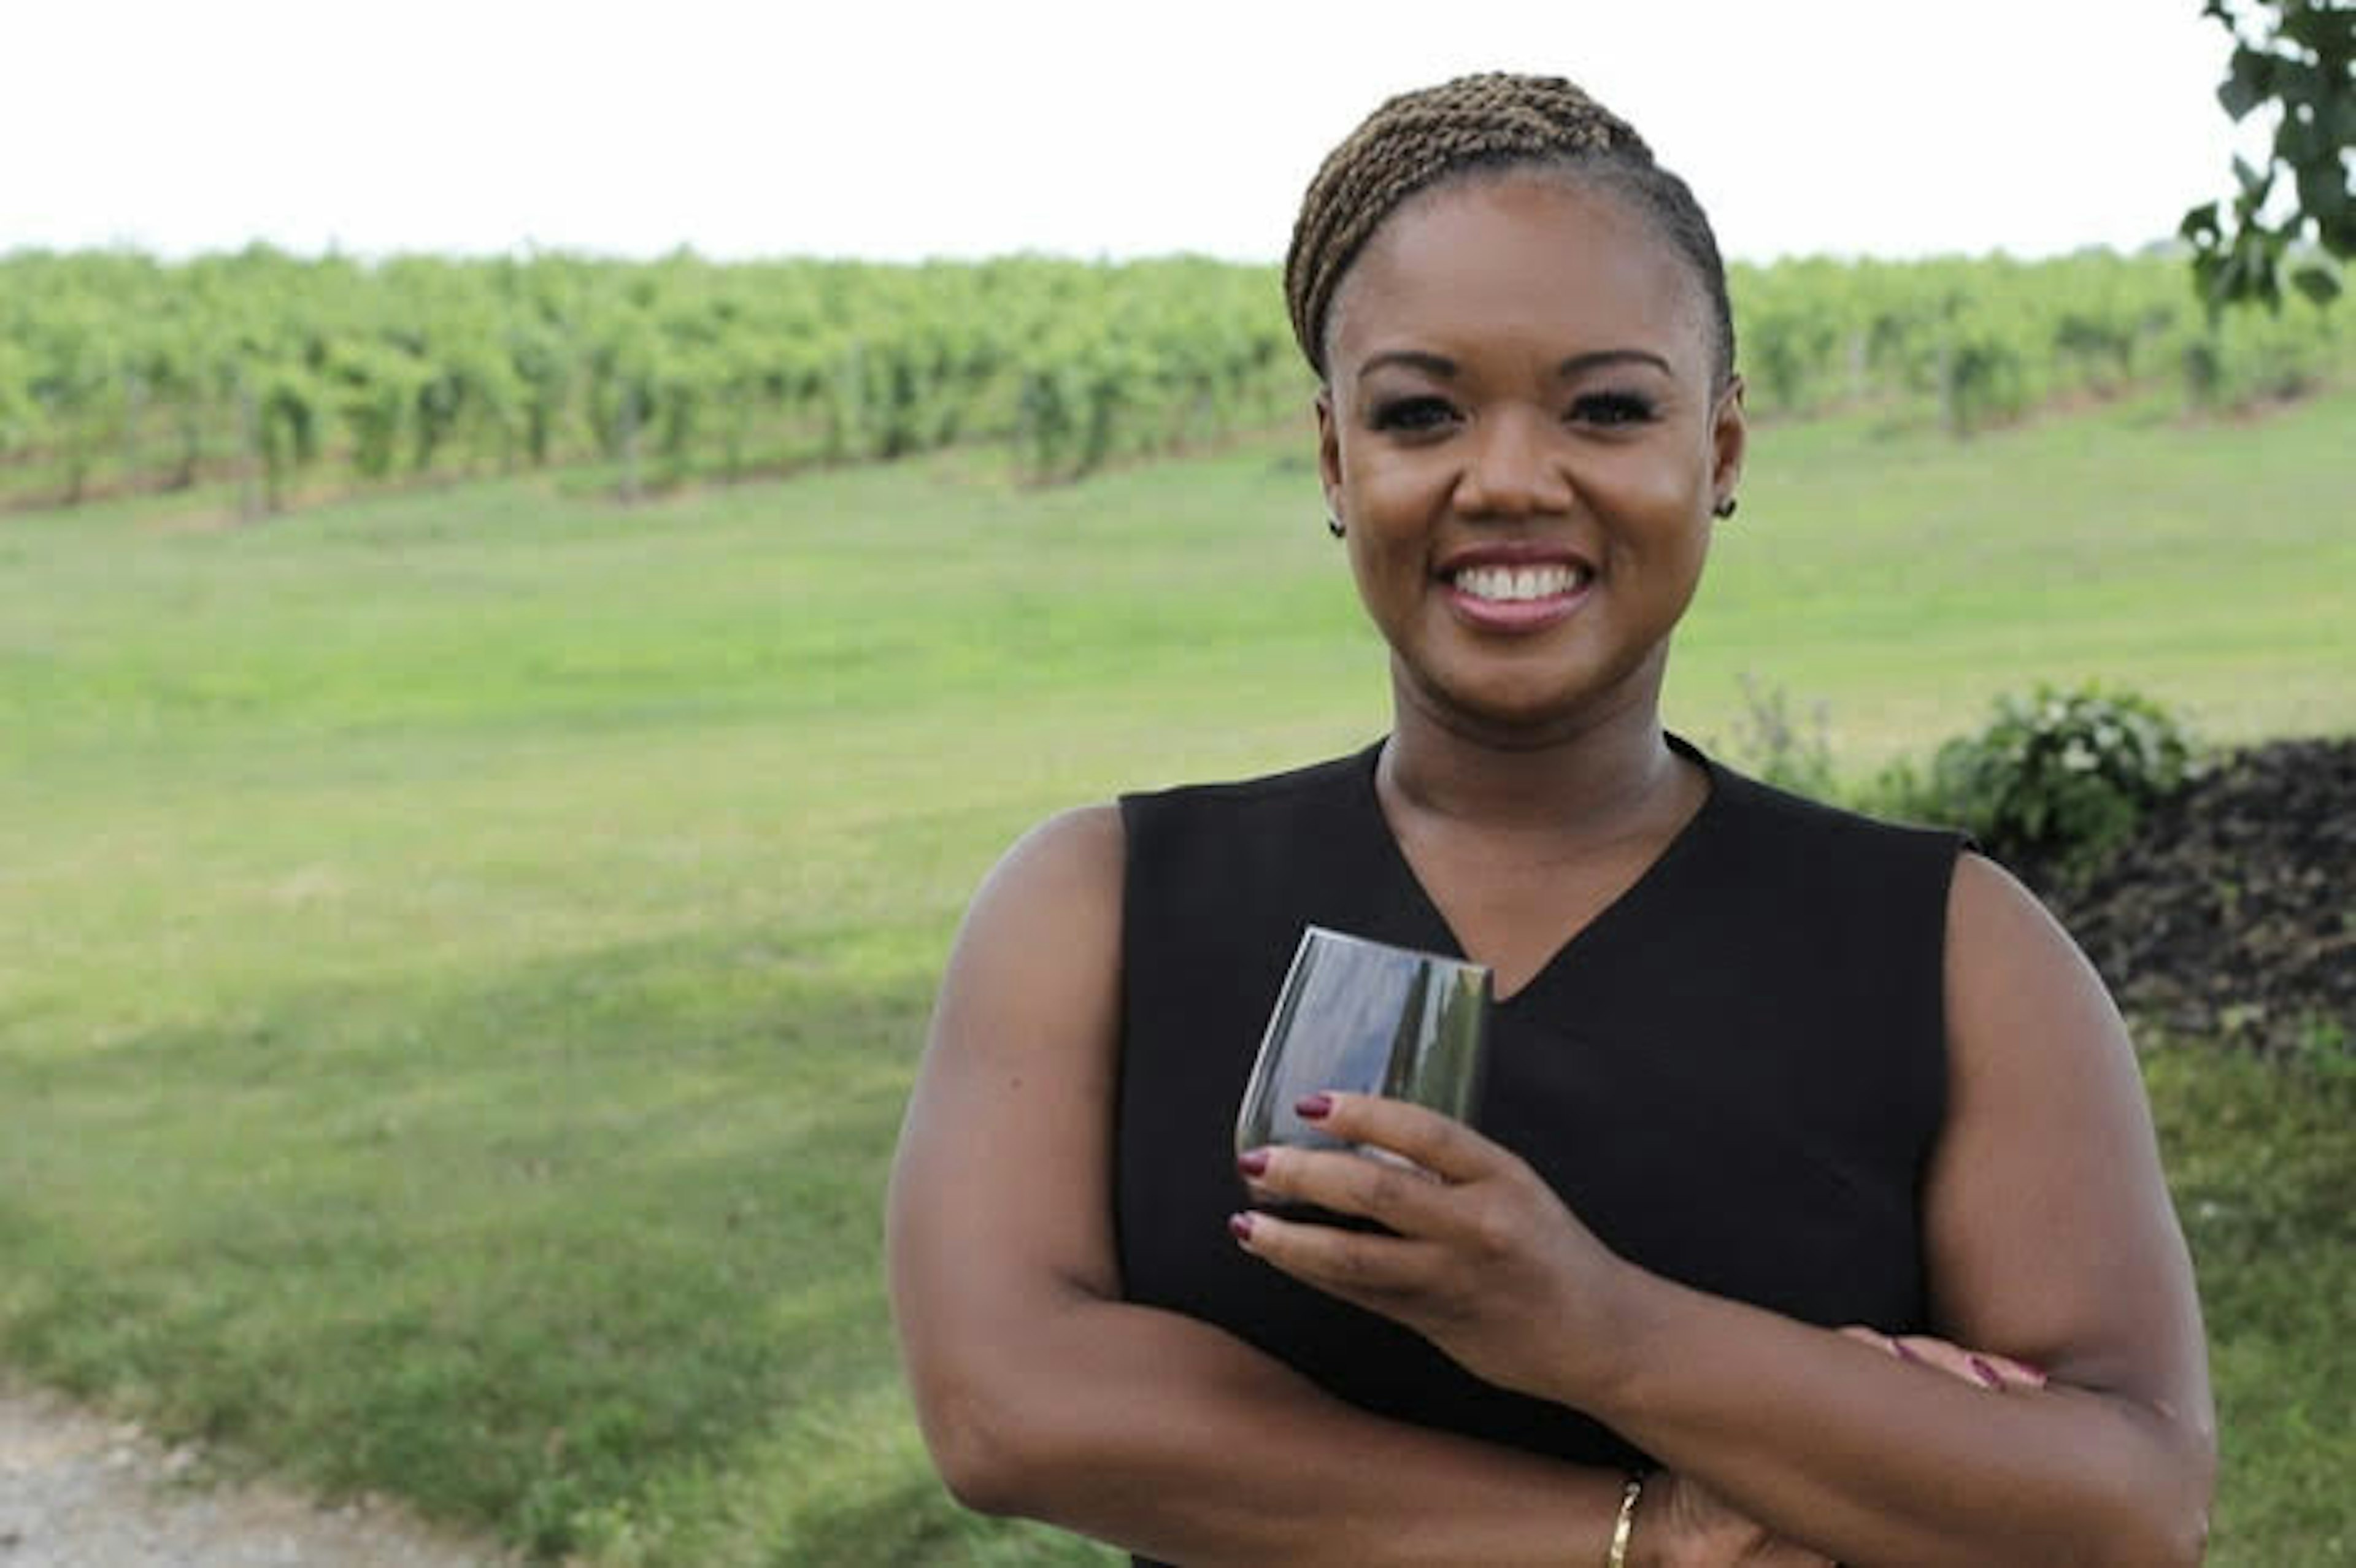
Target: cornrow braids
1485, 122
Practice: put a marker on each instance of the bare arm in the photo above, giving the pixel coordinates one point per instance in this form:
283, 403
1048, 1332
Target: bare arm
1040, 1391
2050, 1240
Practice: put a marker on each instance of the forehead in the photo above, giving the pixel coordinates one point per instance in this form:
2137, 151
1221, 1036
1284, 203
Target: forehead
1536, 260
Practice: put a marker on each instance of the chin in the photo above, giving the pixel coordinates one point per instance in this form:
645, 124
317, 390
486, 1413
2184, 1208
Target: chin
1509, 712
1535, 703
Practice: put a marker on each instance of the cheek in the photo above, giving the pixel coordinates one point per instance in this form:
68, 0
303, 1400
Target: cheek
1389, 571
1638, 483
1391, 500
1393, 491
1371, 469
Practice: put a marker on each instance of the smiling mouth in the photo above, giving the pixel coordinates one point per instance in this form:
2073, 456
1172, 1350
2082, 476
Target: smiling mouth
1520, 584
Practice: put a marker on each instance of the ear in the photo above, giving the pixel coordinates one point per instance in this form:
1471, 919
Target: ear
1329, 452
1729, 439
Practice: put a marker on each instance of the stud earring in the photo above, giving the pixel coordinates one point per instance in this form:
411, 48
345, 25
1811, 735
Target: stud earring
1724, 509
1333, 525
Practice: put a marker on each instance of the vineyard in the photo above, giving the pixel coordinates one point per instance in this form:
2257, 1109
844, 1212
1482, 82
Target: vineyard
289, 378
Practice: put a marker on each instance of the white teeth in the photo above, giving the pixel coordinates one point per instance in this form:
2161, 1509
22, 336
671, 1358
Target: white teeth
1519, 585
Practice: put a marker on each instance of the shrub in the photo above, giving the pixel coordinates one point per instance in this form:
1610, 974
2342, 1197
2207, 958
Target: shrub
1780, 748
2057, 779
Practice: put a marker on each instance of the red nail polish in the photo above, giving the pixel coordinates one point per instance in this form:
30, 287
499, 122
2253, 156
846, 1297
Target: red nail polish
1252, 1162
1313, 1107
1985, 1373
1239, 1226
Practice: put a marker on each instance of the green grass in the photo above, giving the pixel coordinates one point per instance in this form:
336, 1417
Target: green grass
463, 951
2263, 1163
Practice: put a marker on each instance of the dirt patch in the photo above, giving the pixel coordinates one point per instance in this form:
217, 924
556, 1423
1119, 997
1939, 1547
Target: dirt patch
2228, 916
80, 1491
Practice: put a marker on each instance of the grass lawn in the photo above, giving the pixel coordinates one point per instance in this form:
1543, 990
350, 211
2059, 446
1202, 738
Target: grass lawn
465, 951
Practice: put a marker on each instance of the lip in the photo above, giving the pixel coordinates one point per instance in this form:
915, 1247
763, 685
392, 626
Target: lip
1521, 615
1511, 552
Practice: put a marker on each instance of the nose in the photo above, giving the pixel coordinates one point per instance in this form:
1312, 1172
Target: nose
1512, 469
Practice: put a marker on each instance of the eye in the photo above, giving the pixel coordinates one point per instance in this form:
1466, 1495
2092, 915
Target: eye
1414, 415
1613, 408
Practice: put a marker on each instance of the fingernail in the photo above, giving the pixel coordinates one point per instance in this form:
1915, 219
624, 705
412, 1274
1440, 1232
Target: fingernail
1252, 1162
1898, 1347
1313, 1107
1239, 1226
1985, 1373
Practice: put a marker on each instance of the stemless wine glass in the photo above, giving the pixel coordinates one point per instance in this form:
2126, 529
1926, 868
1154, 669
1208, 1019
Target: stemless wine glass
1366, 1018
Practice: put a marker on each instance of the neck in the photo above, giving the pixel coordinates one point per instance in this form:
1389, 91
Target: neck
1590, 775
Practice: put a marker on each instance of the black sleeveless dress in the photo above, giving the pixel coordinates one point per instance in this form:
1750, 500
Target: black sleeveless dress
1734, 1075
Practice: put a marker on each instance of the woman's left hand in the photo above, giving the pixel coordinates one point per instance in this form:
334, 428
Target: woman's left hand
1485, 1261
1985, 1367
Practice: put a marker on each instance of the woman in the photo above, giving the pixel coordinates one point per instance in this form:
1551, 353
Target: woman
1807, 1138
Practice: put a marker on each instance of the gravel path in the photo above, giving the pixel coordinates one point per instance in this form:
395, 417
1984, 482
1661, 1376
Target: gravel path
80, 1492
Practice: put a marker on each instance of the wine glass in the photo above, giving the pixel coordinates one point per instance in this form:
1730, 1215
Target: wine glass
1363, 1016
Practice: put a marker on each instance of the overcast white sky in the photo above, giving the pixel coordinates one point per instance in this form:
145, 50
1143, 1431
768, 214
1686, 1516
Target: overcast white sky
867, 128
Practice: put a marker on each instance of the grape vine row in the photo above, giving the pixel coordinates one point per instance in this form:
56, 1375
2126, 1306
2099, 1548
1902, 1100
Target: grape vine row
291, 376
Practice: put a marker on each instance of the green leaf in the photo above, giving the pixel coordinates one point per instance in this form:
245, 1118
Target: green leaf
2326, 29
2201, 225
2318, 283
2249, 81
2208, 279
2243, 272
2303, 143
2323, 193
2265, 282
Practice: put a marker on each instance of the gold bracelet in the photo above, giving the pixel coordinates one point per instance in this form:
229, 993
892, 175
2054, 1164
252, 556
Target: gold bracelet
1625, 1528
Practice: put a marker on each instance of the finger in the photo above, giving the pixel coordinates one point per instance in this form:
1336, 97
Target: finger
2015, 1373
1917, 1352
1995, 1373
1358, 1266
1697, 1508
1408, 1199
1989, 1371
1921, 1350
1442, 1145
1982, 1366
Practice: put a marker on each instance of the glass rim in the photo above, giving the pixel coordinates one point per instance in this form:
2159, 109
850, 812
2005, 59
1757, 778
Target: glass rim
1313, 931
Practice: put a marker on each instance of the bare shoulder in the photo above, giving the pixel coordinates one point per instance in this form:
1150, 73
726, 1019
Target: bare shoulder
1067, 867
2035, 1045
1002, 1174
2049, 1229
1037, 966
2021, 998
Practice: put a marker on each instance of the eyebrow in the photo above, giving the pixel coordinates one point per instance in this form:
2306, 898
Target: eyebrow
1442, 366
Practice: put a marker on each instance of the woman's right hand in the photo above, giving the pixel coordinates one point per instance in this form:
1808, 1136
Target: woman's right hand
1681, 1523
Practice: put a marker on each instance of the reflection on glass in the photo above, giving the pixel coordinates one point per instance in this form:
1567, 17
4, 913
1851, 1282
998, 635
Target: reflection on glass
1366, 1018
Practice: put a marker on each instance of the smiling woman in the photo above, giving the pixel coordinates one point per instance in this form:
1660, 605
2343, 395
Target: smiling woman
1813, 1213
1522, 380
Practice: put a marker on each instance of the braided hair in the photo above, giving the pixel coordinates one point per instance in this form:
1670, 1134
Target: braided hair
1484, 123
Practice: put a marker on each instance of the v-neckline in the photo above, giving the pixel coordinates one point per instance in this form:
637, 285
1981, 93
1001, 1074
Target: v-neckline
1435, 919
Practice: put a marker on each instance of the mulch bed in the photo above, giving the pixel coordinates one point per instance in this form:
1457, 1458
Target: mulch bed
2228, 916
